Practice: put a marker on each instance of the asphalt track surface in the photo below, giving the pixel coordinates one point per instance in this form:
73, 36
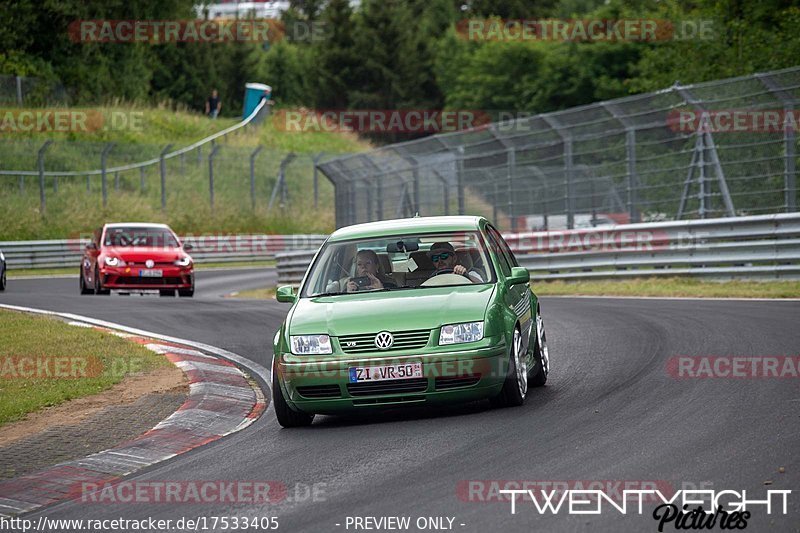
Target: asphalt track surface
609, 412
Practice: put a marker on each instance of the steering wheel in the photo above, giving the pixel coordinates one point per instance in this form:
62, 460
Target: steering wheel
447, 271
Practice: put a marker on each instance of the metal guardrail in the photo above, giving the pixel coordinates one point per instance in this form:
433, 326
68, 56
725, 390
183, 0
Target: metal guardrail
759, 247
205, 249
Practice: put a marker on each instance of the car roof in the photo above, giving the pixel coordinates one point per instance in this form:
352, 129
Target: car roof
403, 226
136, 225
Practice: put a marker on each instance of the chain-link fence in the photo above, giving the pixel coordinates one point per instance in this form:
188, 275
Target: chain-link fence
217, 175
27, 91
212, 176
722, 148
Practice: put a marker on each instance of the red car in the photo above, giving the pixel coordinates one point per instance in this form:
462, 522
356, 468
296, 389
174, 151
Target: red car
137, 257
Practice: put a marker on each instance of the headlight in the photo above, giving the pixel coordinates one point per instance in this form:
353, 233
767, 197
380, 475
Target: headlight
114, 262
311, 344
458, 333
184, 261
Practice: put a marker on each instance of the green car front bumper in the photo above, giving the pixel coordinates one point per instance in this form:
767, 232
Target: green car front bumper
323, 386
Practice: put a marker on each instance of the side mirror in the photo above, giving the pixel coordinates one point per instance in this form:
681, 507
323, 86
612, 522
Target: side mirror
285, 294
188, 247
518, 275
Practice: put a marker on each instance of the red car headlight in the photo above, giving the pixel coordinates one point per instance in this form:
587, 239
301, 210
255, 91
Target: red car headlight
114, 261
184, 261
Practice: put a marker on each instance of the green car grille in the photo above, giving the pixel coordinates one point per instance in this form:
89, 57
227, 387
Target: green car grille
395, 386
403, 340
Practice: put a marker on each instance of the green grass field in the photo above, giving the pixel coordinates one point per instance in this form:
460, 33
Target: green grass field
670, 287
76, 206
82, 361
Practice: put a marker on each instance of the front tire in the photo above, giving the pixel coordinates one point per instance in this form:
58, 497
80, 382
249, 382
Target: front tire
515, 387
187, 293
166, 292
541, 353
98, 285
84, 288
287, 417
3, 280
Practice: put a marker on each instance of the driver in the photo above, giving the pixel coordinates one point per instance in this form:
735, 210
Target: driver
443, 256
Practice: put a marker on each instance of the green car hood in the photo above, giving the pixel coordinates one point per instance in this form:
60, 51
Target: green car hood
401, 310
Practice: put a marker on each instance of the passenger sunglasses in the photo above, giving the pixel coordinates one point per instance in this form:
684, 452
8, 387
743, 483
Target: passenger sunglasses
442, 256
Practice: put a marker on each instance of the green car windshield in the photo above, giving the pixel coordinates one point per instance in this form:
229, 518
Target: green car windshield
401, 262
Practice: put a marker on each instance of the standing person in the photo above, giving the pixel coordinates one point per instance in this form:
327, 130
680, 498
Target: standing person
213, 105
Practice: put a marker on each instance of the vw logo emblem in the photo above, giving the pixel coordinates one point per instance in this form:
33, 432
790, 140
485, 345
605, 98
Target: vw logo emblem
384, 340
150, 263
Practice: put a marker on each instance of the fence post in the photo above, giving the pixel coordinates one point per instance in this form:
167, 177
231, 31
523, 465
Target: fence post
701, 164
316, 179
460, 177
790, 174
22, 184
211, 155
116, 181
570, 205
253, 177
40, 166
163, 169
512, 165
630, 146
103, 156
141, 179
88, 183
183, 161
18, 79
280, 182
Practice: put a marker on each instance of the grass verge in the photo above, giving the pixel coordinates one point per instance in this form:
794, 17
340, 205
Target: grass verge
670, 287
73, 271
45, 362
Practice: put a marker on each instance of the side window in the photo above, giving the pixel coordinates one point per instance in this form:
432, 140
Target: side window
506, 250
497, 248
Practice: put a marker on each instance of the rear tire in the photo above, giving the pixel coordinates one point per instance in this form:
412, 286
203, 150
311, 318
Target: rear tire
84, 288
287, 417
98, 285
3, 280
541, 354
515, 387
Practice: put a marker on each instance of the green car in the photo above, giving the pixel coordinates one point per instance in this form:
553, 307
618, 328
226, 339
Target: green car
419, 311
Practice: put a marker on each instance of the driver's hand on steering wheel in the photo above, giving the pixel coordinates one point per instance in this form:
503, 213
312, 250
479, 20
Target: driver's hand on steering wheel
460, 270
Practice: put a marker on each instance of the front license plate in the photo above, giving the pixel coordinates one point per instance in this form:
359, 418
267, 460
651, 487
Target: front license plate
151, 273
384, 373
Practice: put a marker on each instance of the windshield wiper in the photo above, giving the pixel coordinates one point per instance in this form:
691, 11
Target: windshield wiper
328, 294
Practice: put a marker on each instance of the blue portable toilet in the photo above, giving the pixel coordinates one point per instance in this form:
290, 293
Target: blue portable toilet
252, 96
